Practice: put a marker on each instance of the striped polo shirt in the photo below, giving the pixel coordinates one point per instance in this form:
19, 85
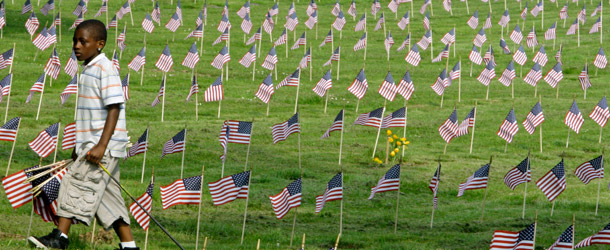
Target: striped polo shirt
99, 85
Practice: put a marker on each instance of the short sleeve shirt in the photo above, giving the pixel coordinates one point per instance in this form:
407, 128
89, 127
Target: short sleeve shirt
99, 86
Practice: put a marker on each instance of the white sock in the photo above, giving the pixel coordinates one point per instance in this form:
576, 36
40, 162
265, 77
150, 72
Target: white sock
131, 244
63, 235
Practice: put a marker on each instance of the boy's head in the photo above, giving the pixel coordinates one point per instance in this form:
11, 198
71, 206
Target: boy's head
89, 39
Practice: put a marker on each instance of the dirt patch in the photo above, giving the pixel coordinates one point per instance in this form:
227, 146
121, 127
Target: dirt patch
101, 237
11, 236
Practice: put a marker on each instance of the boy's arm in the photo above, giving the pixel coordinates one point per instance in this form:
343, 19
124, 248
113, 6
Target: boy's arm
96, 153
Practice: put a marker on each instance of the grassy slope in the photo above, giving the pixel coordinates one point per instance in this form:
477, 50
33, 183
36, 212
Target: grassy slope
368, 224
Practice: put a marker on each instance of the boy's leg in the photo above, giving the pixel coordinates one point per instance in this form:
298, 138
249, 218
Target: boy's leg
64, 225
122, 230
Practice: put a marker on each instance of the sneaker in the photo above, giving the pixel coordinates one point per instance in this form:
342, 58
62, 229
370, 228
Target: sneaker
127, 248
52, 240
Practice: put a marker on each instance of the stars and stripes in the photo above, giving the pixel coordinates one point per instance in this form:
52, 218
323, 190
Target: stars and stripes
600, 113
534, 118
523, 239
447, 5
508, 75
339, 21
558, 54
265, 89
361, 24
222, 58
256, 37
480, 38
426, 21
376, 6
37, 87
291, 21
174, 145
583, 78
504, 19
71, 88
573, 28
249, 57
582, 15
359, 85
404, 21
475, 55
597, 9
156, 13
487, 74
5, 85
520, 57
50, 5
590, 170
405, 86
371, 119
240, 132
17, 189
443, 54
288, 198
534, 75
565, 240
388, 87
396, 119
600, 59
115, 60
146, 201
537, 9
181, 191
140, 146
574, 118
224, 23
468, 122
441, 83
388, 182
41, 41
489, 56
313, 19
361, 44
425, 40
413, 57
270, 60
473, 21
8, 131
476, 181
244, 10
113, 23
27, 7
597, 26
602, 237
455, 72
333, 192
246, 24
449, 129
553, 183
352, 9
541, 57
281, 131
531, 40
301, 41
554, 75
230, 188
405, 43
69, 139
509, 127
336, 126
53, 66
516, 36
71, 66
311, 7
174, 23
327, 39
324, 84
487, 23
380, 22
563, 12
103, 8
192, 57
46, 141
551, 32
138, 61
434, 183
165, 61
81, 8
519, 174
281, 39
524, 12
147, 24
125, 8
6, 59
290, 80
120, 40
449, 38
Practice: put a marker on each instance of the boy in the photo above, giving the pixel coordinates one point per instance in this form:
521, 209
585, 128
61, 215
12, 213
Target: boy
87, 191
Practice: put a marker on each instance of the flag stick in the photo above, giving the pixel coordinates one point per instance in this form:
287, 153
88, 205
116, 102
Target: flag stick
485, 195
487, 95
357, 104
144, 160
431, 43
275, 69
93, 230
442, 98
199, 212
404, 130
525, 190
557, 93
383, 13
338, 63
142, 75
365, 46
299, 142
397, 199
183, 151
505, 146
445, 149
294, 222
378, 130
601, 129
205, 243
164, 94
10, 158
267, 108
303, 242
601, 31
131, 15
432, 218
326, 101
337, 242
471, 63
310, 63
146, 240
387, 150
467, 9
219, 105
341, 140
552, 208
248, 151
243, 228
44, 79
474, 126
197, 106
31, 218
254, 68
568, 140
578, 32
286, 48
599, 184
258, 244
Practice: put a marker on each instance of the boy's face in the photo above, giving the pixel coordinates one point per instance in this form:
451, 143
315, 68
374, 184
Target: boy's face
85, 45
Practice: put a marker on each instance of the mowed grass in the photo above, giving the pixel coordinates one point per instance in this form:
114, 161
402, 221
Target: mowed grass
368, 224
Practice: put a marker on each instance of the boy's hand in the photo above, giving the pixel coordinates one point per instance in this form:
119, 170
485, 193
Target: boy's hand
96, 154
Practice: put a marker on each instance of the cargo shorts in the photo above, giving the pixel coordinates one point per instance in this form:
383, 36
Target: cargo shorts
87, 191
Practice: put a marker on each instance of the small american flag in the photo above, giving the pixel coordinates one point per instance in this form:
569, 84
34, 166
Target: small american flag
103, 8
455, 72
274, 10
324, 84
244, 10
121, 40
558, 54
600, 59
5, 85
553, 183
125, 8
113, 23
582, 15
175, 144
53, 66
311, 7
396, 119
516, 36
71, 88
288, 198
534, 118
138, 61
224, 23
192, 57
554, 75
540, 57
404, 21
71, 65
193, 90
509, 127
8, 131
574, 118
147, 24
313, 19
115, 61
214, 92
301, 41
380, 22
447, 5
504, 19
376, 6
249, 57
140, 146
524, 12
306, 59
281, 39
268, 24
281, 131
436, 179
405, 86
449, 129
69, 139
165, 61
239, 132
291, 21
27, 7
125, 87
146, 201
476, 181
566, 240
449, 38
388, 182
480, 38
361, 44
475, 55
50, 5
487, 24
156, 13
602, 237
17, 189
519, 174
182, 191
523, 239
550, 33
81, 8
590, 170
352, 9
573, 27
246, 24
519, 56
534, 75
504, 46
229, 188
290, 80
222, 58
224, 36
413, 57
291, 10
328, 38
441, 83
473, 21
174, 23
336, 126
388, 88
336, 9
270, 60
6, 59
597, 26
46, 141
563, 13
583, 78
371, 119
339, 21
265, 90
424, 6
37, 87
333, 192
359, 85
197, 32
537, 9
223, 139
443, 54
468, 122
531, 39
600, 113
160, 94
336, 56
32, 23
489, 56
256, 37
597, 9
361, 24
426, 21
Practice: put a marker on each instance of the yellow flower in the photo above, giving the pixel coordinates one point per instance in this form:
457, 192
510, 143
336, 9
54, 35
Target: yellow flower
407, 143
376, 159
395, 137
393, 154
396, 150
398, 143
403, 139
390, 139
389, 132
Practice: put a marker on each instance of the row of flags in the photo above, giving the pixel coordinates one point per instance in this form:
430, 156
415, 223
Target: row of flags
526, 239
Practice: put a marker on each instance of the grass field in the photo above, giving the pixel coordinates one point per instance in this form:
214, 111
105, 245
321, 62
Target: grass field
368, 224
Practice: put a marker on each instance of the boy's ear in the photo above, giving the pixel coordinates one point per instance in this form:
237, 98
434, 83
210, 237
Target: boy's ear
101, 44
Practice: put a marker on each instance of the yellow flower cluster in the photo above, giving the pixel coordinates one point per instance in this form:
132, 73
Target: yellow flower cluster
397, 141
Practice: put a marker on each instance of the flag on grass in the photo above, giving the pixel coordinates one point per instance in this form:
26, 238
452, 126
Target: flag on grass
244, 10
71, 88
449, 38
113, 23
306, 59
476, 181
265, 89
590, 170
473, 21
519, 174
601, 237
249, 57
489, 56
380, 23
468, 122
291, 21
46, 141
352, 9
388, 182
573, 27
563, 13
197, 32
246, 24
371, 119
534, 118
388, 88
396, 119
361, 24
449, 129
147, 24
115, 61
443, 54
480, 38
426, 21
405, 43
37, 87
311, 7
405, 86
541, 57
487, 24
156, 13
441, 83
487, 74
566, 240
425, 40
553, 183
120, 41
224, 23
6, 59
192, 57
434, 182
339, 21
103, 8
50, 5
508, 75
125, 8
597, 26
359, 85
524, 12
240, 132
270, 60
290, 80
281, 39
423, 7
600, 113
519, 56
554, 75
17, 189
287, 199
534, 75
600, 59
5, 85
551, 32
404, 21
81, 8
324, 84
138, 61
165, 61
531, 39
504, 19
523, 239
333, 192
361, 44
516, 36
509, 127
181, 191
413, 57
27, 7
53, 66
583, 78
336, 126
140, 146
389, 42
213, 93
256, 37
222, 58
328, 38
71, 65
8, 131
281, 131
475, 55
146, 201
574, 118
175, 144
174, 23
582, 15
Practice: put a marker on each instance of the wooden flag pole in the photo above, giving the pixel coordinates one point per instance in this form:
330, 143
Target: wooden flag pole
379, 129
357, 104
599, 185
142, 72
473, 127
404, 131
258, 244
164, 94
296, 99
471, 63
131, 15
397, 200
144, 160
338, 63
445, 149
10, 158
341, 140
44, 79
294, 223
578, 31
568, 140
525, 190
341, 207
553, 208
249, 143
183, 151
310, 62
199, 211
243, 228
326, 101
460, 81
337, 242
254, 67
540, 129
601, 31
485, 195
431, 43
205, 243
303, 242
442, 98
267, 108
467, 9
437, 185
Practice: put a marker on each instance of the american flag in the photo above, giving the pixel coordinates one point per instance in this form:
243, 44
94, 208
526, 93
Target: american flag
32, 24
519, 56
173, 23
287, 199
46, 141
489, 56
81, 8
476, 181
597, 9
597, 26
550, 33
475, 55
53, 66
256, 37
404, 21
352, 9
361, 44
540, 57
509, 127
443, 54
246, 24
487, 24
175, 144
5, 85
380, 22
449, 38
361, 24
291, 9
8, 131
388, 88
553, 183
602, 238
534, 118
455, 72
371, 119
305, 59
534, 75
6, 59
523, 239
536, 10
249, 57
113, 23
115, 61
336, 126
473, 21
222, 58
2, 19
27, 7
449, 129
441, 83
52, 35
413, 57
160, 94
328, 38
573, 27
147, 24
229, 188
120, 41
324, 84
600, 59
558, 54
339, 21
388, 182
290, 80
468, 122
311, 7
334, 191
554, 75
281, 39
447, 5
271, 59
376, 6
405, 86
281, 131
531, 39
487, 74
103, 8
291, 21
480, 38
69, 139
600, 113
274, 10
359, 85
301, 41
156, 13
516, 36
146, 201
244, 10
504, 19
336, 9
239, 132
165, 61
583, 78
265, 90
140, 146
424, 6
425, 40
197, 32
336, 56
193, 90
16, 187
519, 174
182, 191
37, 87
574, 118
224, 36
590, 170
138, 61
582, 15
504, 46
224, 23
396, 119
192, 57
223, 139
436, 179
426, 21
125, 8
268, 24
71, 65
71, 88
125, 87
46, 205
565, 241
524, 12
313, 19
563, 13
50, 5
